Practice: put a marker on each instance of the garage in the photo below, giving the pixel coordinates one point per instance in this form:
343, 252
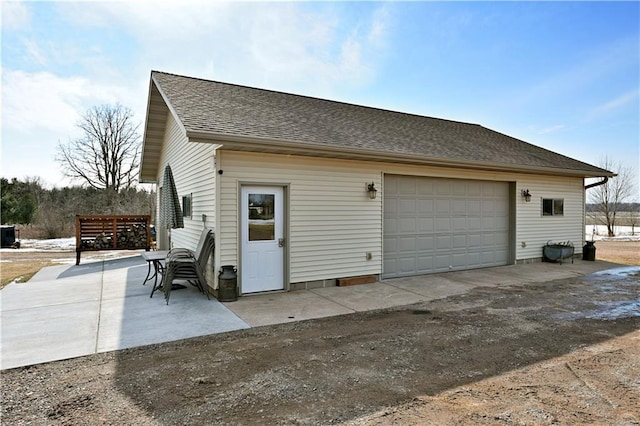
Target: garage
437, 225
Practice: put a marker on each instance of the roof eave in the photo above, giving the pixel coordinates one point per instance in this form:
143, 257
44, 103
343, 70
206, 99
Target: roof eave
257, 144
158, 105
143, 164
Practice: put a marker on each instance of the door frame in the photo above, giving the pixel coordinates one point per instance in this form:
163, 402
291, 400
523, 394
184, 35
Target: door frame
285, 230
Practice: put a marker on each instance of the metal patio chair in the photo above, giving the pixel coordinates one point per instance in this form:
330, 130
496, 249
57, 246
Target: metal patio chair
177, 251
184, 264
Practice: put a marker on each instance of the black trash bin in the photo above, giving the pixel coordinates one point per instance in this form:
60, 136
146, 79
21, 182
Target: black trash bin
9, 237
589, 251
228, 283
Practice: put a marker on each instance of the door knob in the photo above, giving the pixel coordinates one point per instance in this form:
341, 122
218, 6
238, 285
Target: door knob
280, 242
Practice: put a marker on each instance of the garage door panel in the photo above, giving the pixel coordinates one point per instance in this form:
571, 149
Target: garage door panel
501, 239
442, 262
502, 209
474, 259
443, 224
407, 225
390, 245
426, 244
407, 244
459, 188
391, 185
390, 226
407, 206
459, 260
459, 223
443, 207
488, 189
426, 207
489, 257
474, 189
501, 190
474, 241
390, 264
407, 265
444, 242
488, 207
391, 206
489, 224
443, 187
474, 224
459, 207
425, 187
406, 186
425, 263
474, 207
459, 241
488, 239
440, 224
426, 225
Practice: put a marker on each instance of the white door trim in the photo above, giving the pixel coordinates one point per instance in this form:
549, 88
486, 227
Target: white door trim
263, 238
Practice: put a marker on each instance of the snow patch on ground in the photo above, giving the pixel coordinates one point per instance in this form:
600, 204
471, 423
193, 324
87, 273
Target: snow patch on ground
623, 233
65, 245
58, 244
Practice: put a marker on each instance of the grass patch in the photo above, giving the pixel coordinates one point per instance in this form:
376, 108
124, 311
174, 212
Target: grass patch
622, 259
21, 271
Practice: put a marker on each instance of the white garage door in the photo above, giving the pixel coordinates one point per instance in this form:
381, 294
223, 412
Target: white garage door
437, 225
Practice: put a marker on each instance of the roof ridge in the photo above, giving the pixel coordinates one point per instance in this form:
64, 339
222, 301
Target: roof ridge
318, 99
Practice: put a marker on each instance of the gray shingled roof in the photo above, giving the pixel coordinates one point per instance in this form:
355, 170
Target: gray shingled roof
220, 109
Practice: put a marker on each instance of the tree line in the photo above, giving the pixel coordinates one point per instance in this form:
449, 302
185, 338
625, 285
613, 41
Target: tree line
50, 213
104, 159
620, 207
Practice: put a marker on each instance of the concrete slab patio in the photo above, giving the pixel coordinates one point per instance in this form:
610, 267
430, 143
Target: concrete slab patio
71, 311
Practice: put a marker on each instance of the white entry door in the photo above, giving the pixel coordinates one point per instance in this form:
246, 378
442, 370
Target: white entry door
263, 241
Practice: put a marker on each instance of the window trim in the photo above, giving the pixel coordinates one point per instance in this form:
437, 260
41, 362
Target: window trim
187, 205
557, 207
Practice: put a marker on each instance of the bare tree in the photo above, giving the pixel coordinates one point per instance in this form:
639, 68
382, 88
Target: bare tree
634, 217
106, 156
608, 198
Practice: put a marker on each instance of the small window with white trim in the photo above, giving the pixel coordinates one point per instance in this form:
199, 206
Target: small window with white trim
552, 207
186, 206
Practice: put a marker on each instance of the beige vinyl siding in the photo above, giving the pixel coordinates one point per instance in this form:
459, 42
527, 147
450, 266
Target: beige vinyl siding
193, 173
332, 223
534, 229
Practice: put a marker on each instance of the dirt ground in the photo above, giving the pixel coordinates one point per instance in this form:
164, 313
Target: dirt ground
562, 352
624, 252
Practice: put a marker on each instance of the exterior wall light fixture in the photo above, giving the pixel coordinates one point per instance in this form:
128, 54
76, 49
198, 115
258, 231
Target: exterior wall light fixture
371, 189
526, 195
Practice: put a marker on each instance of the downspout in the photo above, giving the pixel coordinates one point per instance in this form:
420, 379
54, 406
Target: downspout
602, 182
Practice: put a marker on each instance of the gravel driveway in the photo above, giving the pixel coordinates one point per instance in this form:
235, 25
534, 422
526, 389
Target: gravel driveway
563, 351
